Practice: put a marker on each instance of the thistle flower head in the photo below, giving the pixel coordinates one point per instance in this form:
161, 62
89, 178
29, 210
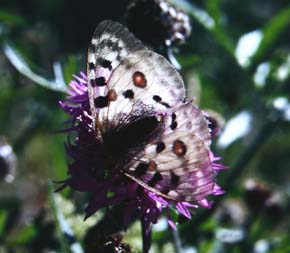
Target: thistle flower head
87, 174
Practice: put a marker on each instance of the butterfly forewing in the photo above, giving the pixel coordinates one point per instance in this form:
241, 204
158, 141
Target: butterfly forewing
125, 78
143, 82
110, 45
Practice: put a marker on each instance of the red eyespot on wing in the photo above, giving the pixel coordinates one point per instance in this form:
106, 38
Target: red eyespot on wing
139, 79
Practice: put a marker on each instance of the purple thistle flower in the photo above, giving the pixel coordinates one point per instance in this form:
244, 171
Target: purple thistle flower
87, 174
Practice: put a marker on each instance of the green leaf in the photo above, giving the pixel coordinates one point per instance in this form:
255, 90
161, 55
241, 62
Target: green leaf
188, 60
272, 31
26, 235
213, 8
11, 19
3, 216
70, 67
21, 65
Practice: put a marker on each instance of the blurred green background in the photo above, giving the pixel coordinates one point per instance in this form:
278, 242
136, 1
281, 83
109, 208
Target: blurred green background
236, 64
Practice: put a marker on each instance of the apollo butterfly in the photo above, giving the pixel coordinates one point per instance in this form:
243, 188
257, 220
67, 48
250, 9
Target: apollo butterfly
146, 127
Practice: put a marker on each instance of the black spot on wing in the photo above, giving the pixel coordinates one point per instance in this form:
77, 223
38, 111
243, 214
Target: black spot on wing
100, 81
157, 98
141, 169
105, 63
173, 125
165, 104
173, 116
111, 45
115, 47
174, 179
91, 66
101, 101
118, 57
155, 179
93, 82
107, 37
160, 147
128, 94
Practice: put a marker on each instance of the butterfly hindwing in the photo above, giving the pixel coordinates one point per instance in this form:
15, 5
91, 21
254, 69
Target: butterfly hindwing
177, 165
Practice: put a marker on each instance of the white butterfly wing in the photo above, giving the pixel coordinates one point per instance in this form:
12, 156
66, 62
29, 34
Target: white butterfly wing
110, 45
127, 79
178, 164
159, 87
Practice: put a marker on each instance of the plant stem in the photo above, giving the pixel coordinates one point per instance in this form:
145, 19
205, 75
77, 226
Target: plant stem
146, 236
177, 241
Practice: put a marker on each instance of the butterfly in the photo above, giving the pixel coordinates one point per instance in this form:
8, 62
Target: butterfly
147, 128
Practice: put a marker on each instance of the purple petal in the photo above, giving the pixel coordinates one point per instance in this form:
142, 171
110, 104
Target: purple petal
172, 224
217, 190
205, 203
183, 210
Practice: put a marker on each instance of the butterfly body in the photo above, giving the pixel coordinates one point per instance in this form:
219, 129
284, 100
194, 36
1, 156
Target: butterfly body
146, 127
122, 144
